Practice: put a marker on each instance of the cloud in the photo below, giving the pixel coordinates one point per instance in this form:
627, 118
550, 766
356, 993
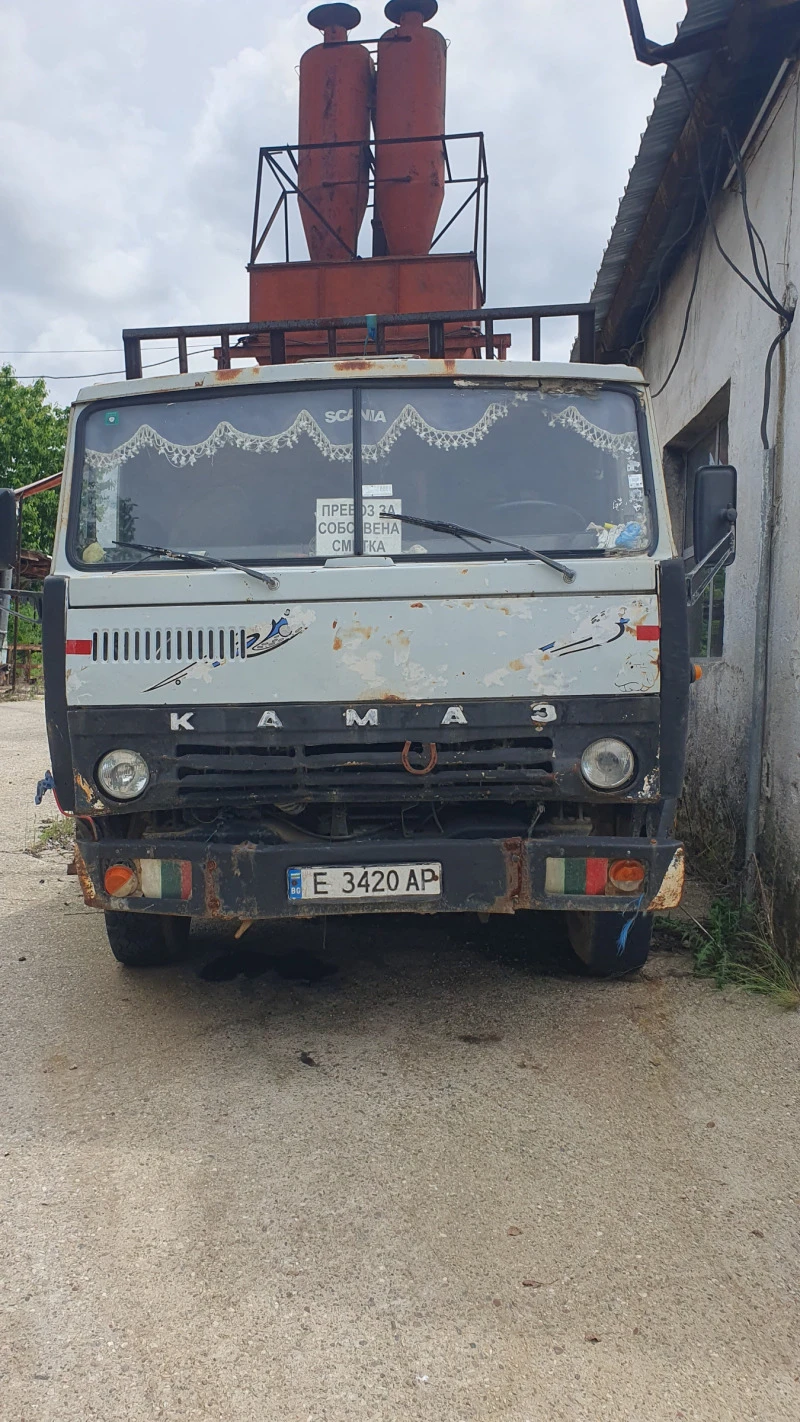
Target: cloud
130, 141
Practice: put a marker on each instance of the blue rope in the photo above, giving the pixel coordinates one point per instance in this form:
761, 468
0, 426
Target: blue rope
622, 941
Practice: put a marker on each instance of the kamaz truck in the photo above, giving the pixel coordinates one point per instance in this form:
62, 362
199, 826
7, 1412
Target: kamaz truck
377, 622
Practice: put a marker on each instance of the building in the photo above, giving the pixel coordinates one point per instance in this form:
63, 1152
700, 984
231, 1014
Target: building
721, 147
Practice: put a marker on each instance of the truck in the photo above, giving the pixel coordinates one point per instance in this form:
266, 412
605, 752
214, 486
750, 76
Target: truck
383, 629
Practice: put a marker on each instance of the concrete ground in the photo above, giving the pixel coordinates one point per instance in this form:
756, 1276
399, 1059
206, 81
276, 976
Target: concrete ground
486, 1192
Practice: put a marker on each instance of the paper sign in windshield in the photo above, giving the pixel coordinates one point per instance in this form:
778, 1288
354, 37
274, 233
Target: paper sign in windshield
336, 531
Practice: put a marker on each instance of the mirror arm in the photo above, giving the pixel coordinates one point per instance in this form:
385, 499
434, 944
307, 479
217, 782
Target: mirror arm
706, 571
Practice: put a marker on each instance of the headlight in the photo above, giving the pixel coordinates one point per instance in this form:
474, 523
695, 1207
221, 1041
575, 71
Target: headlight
608, 765
123, 774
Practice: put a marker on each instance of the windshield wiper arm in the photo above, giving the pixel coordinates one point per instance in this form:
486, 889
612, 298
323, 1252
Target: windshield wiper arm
458, 531
198, 558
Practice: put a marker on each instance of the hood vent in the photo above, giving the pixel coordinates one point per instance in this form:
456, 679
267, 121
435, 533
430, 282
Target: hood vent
169, 644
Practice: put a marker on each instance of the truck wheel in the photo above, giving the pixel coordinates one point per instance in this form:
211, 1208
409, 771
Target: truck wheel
603, 946
146, 940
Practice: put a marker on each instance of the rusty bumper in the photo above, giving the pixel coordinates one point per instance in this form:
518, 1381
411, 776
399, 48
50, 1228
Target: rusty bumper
249, 881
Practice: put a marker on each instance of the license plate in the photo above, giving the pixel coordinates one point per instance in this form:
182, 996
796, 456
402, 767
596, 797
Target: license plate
376, 881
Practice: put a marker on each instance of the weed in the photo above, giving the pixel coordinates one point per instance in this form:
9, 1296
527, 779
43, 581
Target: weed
738, 947
55, 834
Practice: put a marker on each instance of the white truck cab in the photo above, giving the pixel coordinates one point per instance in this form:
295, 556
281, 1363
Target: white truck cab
369, 635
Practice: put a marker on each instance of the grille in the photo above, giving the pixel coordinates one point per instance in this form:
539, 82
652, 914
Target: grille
169, 644
376, 770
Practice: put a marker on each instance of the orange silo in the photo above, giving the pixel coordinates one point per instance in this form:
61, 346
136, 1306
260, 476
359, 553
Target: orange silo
410, 104
336, 93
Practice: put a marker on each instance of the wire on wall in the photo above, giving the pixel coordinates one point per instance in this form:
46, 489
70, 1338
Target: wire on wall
761, 287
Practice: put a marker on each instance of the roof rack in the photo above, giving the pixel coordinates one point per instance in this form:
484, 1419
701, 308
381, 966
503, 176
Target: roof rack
267, 340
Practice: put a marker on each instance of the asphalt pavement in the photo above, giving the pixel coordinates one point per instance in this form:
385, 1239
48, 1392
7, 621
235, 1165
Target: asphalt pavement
380, 1172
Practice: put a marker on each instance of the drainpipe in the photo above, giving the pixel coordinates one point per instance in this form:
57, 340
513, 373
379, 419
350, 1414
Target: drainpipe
758, 722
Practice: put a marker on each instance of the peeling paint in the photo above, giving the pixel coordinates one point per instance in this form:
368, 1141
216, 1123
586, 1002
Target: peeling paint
671, 891
368, 650
88, 793
85, 880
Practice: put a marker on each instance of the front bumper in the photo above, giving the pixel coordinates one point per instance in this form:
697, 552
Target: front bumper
249, 881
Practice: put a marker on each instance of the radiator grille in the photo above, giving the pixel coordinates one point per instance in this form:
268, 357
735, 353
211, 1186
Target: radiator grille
335, 771
169, 644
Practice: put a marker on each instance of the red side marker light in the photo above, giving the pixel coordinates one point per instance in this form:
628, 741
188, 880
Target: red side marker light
648, 634
78, 648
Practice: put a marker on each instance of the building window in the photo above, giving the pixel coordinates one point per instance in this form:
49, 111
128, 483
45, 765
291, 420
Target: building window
707, 617
704, 441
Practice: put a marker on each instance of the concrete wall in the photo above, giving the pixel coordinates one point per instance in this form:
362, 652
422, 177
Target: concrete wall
729, 335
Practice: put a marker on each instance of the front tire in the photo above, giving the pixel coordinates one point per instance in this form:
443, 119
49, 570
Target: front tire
610, 945
146, 940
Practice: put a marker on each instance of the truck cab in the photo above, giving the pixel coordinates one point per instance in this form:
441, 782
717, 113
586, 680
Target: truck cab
367, 636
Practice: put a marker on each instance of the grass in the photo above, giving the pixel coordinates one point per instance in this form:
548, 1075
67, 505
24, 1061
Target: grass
54, 834
738, 947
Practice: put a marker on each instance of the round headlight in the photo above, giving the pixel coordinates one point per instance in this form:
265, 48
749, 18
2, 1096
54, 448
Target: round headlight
123, 774
608, 765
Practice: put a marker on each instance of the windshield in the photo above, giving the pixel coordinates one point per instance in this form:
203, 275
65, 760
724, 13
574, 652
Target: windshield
270, 476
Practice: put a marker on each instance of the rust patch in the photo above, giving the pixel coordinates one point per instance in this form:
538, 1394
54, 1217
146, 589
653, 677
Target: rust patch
671, 891
353, 364
450, 366
365, 632
213, 902
517, 665
229, 374
389, 696
518, 888
87, 887
337, 643
418, 604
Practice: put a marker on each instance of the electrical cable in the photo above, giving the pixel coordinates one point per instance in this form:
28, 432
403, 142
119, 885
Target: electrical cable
753, 234
90, 350
769, 301
97, 374
782, 334
687, 317
655, 299
766, 294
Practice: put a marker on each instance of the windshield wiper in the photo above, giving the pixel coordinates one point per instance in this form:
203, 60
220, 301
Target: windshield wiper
458, 531
200, 559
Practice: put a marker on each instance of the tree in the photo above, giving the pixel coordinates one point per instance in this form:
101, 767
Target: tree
32, 439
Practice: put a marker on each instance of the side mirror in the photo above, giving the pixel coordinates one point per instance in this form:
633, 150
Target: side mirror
8, 530
715, 515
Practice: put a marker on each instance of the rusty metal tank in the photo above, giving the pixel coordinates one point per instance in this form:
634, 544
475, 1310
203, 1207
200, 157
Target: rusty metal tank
410, 103
336, 95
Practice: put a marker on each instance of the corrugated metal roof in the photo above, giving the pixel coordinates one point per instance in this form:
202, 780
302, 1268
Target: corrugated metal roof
665, 126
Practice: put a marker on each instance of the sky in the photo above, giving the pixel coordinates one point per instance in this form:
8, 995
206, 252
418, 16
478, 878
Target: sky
129, 135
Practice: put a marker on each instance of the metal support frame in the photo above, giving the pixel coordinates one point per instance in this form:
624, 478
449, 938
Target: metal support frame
649, 53
479, 325
282, 164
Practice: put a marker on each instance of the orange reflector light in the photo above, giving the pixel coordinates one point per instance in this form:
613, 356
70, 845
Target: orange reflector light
626, 875
697, 672
120, 881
